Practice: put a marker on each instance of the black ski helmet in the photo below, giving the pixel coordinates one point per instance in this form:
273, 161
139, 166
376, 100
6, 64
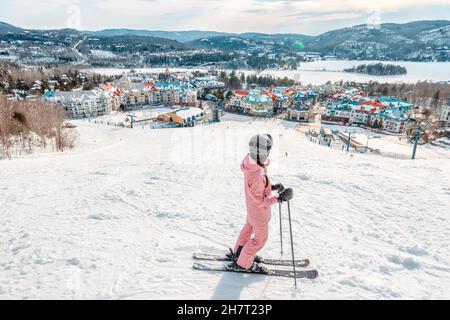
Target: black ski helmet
260, 146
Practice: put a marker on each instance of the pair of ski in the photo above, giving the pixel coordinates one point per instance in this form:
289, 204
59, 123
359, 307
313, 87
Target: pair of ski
204, 261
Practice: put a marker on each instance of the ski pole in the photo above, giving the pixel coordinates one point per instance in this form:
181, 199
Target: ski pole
292, 243
281, 228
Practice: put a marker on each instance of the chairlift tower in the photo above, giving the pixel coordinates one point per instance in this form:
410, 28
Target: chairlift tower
350, 132
421, 127
416, 142
132, 119
216, 112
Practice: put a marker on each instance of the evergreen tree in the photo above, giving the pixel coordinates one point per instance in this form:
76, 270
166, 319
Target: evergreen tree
243, 80
375, 124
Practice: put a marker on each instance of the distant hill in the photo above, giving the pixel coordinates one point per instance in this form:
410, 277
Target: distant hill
413, 41
189, 36
418, 40
276, 36
132, 43
411, 29
253, 42
6, 27
387, 41
385, 33
180, 36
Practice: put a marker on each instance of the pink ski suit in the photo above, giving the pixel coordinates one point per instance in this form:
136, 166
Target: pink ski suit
259, 198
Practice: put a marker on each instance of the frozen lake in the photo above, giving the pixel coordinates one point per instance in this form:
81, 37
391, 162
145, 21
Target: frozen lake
319, 72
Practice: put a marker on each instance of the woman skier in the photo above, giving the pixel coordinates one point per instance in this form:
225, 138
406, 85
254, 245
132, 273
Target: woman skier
259, 198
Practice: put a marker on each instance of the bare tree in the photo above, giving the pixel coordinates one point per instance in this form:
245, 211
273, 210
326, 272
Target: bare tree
29, 124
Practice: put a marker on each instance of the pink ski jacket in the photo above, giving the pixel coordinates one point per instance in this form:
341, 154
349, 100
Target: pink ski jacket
258, 190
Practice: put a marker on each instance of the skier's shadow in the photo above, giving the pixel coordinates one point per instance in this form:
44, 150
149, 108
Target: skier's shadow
231, 285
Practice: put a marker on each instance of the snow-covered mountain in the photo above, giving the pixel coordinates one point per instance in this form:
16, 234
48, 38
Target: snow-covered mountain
253, 42
417, 41
6, 27
181, 36
438, 36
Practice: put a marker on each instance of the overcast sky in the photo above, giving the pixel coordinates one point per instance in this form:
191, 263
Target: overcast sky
269, 16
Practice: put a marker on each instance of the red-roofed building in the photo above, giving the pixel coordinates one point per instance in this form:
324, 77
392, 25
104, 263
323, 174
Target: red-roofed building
374, 103
241, 93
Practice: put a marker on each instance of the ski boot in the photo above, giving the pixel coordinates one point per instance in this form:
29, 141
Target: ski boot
257, 266
234, 256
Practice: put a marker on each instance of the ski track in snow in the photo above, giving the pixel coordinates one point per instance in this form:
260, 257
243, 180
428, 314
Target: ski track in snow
120, 216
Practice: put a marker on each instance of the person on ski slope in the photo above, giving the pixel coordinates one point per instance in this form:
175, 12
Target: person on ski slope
259, 198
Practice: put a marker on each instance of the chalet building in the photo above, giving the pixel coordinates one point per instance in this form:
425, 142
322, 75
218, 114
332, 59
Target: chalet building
445, 114
295, 101
281, 101
304, 95
172, 93
301, 112
394, 102
280, 104
189, 98
184, 117
359, 116
207, 82
133, 89
169, 96
172, 97
339, 113
118, 99
137, 96
394, 120
82, 104
146, 92
124, 82
237, 101
258, 103
357, 108
351, 94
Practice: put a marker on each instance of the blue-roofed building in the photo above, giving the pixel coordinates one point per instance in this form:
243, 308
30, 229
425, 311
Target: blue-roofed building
394, 119
445, 113
396, 103
173, 93
302, 112
258, 103
183, 117
81, 104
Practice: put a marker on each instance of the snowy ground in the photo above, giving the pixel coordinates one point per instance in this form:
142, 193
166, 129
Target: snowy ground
119, 217
117, 118
388, 143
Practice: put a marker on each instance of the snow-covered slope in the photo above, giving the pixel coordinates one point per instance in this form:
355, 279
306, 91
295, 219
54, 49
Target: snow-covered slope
120, 217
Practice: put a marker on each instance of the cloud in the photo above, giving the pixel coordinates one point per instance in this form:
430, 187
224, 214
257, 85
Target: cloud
271, 16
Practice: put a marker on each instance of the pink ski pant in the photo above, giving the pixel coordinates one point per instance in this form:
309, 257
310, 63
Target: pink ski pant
259, 228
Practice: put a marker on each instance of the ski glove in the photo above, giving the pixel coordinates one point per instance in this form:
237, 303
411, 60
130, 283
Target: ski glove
278, 187
286, 195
